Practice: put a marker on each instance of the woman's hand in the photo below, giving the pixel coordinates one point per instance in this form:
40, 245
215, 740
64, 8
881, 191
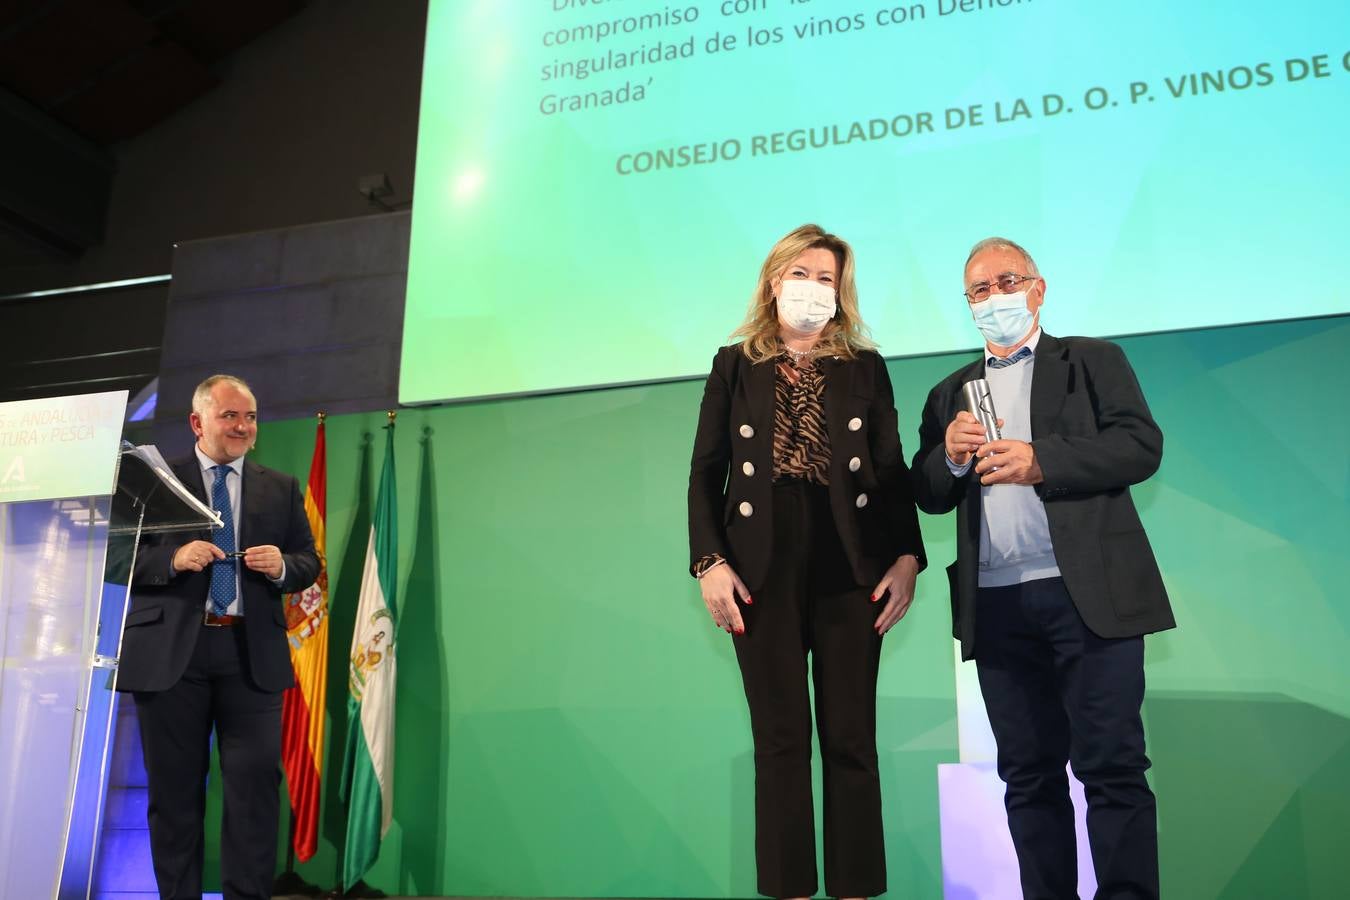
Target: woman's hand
899, 581
721, 587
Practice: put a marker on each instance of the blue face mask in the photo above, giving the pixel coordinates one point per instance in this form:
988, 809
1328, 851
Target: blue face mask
1003, 319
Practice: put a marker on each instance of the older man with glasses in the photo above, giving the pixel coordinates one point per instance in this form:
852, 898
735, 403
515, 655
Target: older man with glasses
1054, 583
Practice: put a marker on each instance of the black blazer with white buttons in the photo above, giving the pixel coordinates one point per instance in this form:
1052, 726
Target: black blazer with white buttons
731, 473
1094, 437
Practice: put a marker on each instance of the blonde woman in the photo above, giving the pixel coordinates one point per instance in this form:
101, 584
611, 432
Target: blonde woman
805, 541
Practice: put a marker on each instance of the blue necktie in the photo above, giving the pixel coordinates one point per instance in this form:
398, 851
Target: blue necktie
995, 362
224, 584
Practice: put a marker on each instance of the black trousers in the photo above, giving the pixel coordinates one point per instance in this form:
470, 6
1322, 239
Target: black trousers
1058, 693
810, 604
176, 724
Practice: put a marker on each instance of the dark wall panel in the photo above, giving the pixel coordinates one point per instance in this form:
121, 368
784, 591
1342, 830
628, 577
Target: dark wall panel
312, 317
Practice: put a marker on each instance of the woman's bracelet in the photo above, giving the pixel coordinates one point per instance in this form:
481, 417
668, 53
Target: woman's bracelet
706, 564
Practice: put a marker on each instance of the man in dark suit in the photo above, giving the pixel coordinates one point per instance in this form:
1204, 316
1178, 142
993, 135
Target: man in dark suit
204, 647
1054, 583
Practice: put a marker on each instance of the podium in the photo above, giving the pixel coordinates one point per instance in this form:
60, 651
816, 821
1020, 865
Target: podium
73, 506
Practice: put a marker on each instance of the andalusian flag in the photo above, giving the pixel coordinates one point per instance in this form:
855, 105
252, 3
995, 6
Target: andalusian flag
368, 767
303, 705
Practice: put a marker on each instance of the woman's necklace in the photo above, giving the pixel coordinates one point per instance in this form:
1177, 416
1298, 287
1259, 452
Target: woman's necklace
799, 356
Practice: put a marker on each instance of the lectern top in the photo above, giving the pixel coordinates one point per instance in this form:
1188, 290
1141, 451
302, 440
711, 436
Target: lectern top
145, 483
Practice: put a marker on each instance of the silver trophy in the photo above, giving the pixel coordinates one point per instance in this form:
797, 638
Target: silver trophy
981, 405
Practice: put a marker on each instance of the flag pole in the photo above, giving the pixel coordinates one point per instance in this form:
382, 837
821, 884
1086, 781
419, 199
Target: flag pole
367, 769
289, 882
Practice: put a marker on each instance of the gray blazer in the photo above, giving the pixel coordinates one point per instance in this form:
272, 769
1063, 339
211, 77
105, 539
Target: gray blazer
1094, 437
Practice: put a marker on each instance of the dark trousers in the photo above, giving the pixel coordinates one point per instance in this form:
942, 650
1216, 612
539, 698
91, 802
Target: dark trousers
810, 604
176, 724
1056, 692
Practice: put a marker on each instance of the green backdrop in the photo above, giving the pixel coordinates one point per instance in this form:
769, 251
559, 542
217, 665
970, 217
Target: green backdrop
569, 723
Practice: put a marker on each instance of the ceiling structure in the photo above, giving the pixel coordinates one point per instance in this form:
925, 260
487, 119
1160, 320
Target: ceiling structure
77, 77
110, 69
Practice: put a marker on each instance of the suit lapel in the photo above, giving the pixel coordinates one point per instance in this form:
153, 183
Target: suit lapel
970, 373
838, 387
189, 471
759, 386
972, 500
1049, 381
249, 500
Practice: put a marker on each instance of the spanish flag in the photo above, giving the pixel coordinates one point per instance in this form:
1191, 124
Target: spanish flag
303, 704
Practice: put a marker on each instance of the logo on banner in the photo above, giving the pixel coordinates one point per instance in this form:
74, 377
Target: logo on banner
14, 472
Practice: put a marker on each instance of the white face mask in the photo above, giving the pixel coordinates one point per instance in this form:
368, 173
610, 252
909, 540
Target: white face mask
805, 306
1003, 319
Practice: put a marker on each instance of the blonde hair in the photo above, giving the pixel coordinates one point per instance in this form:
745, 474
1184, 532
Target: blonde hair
844, 335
